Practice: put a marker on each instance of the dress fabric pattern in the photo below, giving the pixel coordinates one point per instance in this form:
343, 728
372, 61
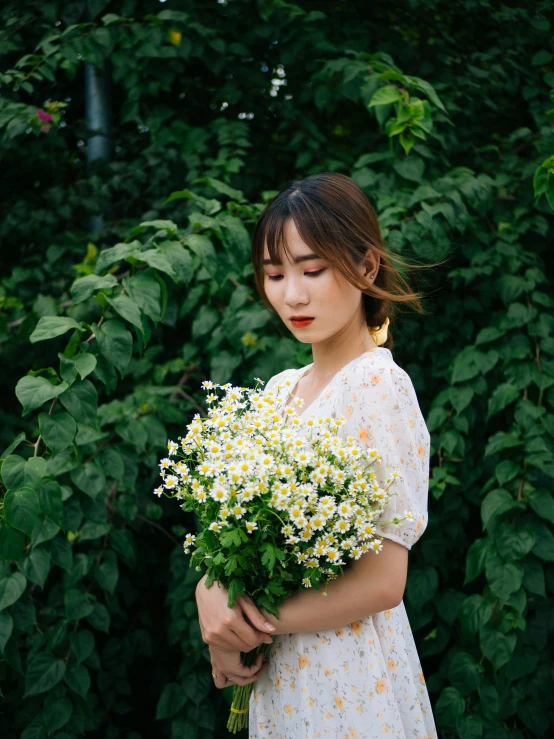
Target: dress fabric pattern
362, 680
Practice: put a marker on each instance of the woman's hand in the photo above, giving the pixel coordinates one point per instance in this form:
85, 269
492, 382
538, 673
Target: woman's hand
228, 670
228, 628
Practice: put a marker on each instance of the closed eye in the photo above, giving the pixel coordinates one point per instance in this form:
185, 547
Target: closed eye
311, 274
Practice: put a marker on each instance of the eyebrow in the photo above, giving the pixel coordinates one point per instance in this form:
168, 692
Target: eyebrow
297, 260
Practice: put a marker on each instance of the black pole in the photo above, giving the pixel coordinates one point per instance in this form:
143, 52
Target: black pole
98, 117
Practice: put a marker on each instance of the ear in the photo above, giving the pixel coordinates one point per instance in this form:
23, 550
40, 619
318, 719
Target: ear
371, 264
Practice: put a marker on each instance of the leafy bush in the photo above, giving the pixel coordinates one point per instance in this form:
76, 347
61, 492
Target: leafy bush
107, 328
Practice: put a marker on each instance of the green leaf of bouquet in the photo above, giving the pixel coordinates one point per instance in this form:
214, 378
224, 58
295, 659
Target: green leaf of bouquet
21, 508
115, 343
58, 431
11, 589
83, 288
49, 327
32, 392
268, 556
43, 672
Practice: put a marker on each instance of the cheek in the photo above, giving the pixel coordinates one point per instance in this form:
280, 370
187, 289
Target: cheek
271, 290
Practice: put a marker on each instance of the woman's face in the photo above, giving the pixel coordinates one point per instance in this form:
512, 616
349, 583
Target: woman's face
313, 288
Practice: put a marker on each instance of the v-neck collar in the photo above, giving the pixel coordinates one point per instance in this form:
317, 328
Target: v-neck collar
304, 370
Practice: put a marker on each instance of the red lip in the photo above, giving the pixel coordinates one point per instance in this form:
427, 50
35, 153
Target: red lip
299, 322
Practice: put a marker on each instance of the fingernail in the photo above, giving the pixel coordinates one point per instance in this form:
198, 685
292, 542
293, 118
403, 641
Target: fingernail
269, 626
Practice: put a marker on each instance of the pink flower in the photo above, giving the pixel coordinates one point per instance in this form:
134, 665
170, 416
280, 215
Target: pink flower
42, 115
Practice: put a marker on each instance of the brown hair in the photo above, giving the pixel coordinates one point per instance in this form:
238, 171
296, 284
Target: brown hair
335, 219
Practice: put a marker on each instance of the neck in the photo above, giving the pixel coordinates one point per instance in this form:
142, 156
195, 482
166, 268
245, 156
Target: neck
336, 351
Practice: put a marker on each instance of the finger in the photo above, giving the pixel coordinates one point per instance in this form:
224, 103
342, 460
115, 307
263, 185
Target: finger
250, 637
256, 618
231, 643
247, 671
247, 680
231, 664
220, 681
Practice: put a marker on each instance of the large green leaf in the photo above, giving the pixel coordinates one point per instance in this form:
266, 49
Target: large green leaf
6, 628
11, 589
58, 430
115, 343
32, 392
21, 508
115, 254
158, 260
12, 542
57, 712
83, 288
127, 309
504, 577
90, 478
36, 565
78, 604
44, 670
48, 327
81, 401
172, 699
146, 292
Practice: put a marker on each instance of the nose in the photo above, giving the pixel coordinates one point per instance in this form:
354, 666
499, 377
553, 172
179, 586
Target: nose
295, 293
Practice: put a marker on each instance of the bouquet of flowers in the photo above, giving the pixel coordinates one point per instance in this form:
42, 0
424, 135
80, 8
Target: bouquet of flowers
281, 507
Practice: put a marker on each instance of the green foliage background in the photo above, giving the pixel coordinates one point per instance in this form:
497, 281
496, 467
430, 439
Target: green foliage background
443, 112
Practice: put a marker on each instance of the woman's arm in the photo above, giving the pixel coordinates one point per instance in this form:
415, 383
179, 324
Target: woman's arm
371, 584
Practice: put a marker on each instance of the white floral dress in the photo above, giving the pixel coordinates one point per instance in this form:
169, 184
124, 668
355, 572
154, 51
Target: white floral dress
363, 680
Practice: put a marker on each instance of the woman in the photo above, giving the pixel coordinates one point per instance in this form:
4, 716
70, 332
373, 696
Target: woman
345, 665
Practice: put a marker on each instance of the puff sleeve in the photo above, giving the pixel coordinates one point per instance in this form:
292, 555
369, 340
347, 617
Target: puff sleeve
382, 411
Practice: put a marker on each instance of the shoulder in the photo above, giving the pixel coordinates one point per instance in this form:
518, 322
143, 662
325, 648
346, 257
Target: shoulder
378, 369
378, 381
